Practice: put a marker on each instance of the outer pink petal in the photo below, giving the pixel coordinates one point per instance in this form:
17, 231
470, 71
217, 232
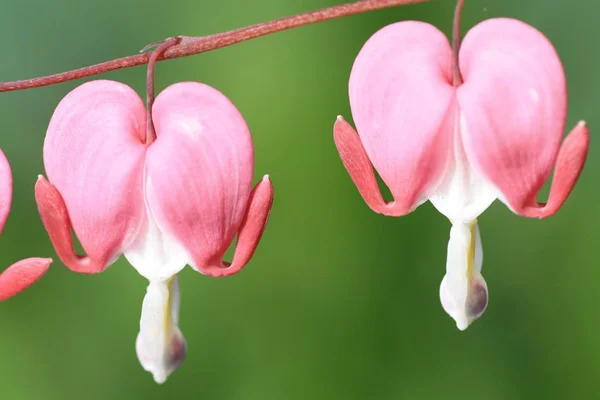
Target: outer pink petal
514, 105
5, 190
55, 218
199, 170
252, 228
569, 164
93, 154
21, 275
401, 99
359, 167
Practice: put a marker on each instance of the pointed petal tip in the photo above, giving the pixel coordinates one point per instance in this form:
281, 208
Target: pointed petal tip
39, 263
341, 128
41, 180
22, 275
581, 134
34, 263
582, 129
264, 187
42, 183
339, 123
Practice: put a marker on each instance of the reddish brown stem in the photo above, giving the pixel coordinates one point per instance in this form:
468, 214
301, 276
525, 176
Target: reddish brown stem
195, 45
457, 78
156, 53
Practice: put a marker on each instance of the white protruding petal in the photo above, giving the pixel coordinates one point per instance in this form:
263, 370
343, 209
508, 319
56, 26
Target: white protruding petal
155, 254
463, 291
160, 346
463, 194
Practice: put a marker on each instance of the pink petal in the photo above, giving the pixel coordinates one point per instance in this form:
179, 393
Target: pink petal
514, 107
569, 163
201, 198
253, 226
357, 163
5, 190
93, 154
21, 275
55, 218
401, 99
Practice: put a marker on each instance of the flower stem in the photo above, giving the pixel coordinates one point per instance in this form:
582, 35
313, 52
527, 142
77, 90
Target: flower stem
457, 78
156, 53
195, 45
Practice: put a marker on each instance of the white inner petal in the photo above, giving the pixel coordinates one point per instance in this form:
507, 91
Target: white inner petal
154, 254
160, 346
463, 194
463, 291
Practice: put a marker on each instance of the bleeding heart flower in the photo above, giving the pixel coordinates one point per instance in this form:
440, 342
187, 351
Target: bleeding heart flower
495, 136
180, 200
24, 273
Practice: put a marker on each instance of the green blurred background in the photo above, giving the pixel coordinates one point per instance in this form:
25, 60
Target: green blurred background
338, 302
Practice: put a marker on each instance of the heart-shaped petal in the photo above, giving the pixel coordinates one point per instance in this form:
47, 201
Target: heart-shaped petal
201, 197
514, 104
401, 99
93, 154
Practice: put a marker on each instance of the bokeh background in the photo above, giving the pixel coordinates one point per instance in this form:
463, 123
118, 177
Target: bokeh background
338, 302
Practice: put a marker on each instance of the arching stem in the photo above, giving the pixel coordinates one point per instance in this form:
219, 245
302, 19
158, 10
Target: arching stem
201, 44
156, 53
457, 78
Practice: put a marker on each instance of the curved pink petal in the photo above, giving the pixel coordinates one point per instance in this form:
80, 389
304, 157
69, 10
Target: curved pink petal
514, 106
359, 167
401, 99
21, 275
5, 190
569, 164
93, 154
201, 197
55, 218
252, 228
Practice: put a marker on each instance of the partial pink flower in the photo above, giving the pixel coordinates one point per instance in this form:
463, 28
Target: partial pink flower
24, 273
496, 136
180, 200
